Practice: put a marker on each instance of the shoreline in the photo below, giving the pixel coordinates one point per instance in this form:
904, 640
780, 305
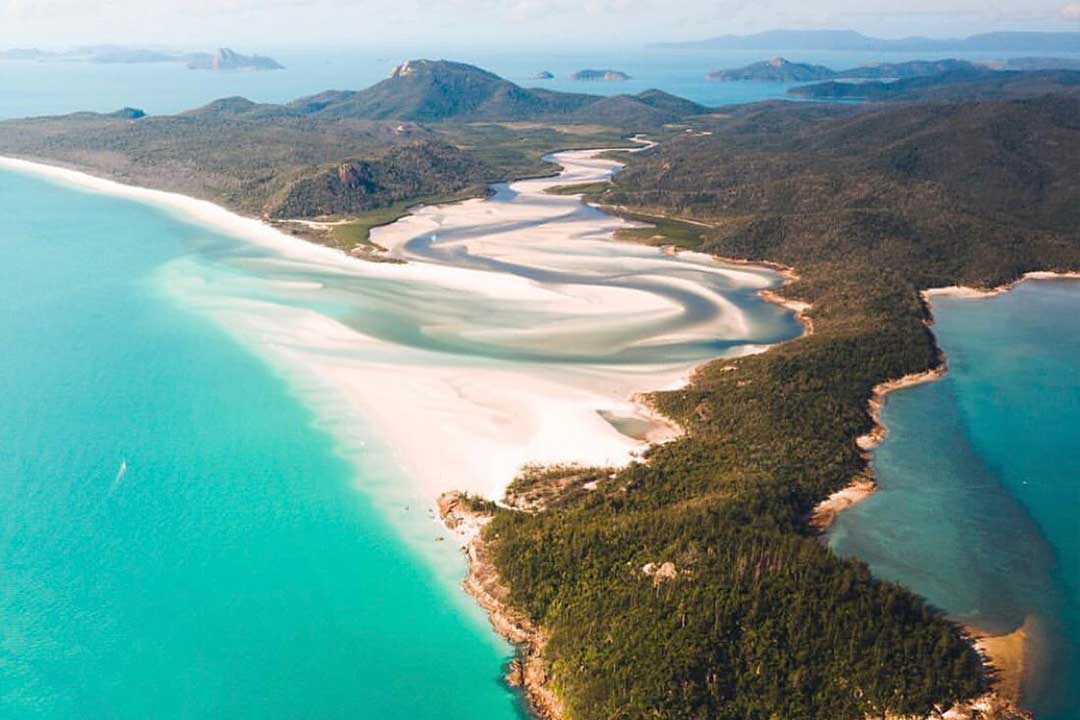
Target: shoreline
478, 584
825, 512
1007, 655
771, 295
530, 671
619, 393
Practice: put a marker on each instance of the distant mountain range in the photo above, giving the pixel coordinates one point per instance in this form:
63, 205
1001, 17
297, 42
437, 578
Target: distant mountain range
850, 40
221, 59
782, 70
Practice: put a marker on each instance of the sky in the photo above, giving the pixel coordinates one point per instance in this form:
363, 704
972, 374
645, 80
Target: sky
265, 24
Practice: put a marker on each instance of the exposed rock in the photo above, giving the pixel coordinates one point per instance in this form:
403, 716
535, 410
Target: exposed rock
990, 706
529, 669
660, 573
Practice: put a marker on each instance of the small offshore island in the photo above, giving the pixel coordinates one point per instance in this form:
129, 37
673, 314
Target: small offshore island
604, 75
692, 580
220, 59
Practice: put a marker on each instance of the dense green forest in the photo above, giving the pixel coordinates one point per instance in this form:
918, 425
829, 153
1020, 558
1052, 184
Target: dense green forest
955, 83
760, 620
751, 617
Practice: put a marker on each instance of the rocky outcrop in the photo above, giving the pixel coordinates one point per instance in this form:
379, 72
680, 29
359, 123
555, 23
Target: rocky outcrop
661, 573
466, 518
990, 706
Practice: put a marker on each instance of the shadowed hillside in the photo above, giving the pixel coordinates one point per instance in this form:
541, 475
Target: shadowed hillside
755, 618
434, 129
956, 84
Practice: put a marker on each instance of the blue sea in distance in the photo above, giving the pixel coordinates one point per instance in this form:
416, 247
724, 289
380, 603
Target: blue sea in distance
45, 88
980, 481
177, 538
226, 572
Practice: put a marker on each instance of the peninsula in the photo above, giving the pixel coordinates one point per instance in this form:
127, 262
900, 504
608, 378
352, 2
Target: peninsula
667, 586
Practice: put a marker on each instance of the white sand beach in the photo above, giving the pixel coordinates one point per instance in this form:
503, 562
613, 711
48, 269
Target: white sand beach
515, 322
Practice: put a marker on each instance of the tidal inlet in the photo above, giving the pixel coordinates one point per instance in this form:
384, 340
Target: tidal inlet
515, 331
274, 421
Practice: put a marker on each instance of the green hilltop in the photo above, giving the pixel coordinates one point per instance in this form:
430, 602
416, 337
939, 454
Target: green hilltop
752, 616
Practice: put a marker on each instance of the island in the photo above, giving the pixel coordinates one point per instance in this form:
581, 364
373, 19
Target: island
776, 70
226, 59
977, 81
782, 70
221, 59
691, 582
604, 75
852, 41
543, 75
1033, 63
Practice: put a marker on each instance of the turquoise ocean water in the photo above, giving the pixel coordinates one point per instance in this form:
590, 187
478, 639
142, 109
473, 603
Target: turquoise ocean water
980, 481
227, 570
233, 569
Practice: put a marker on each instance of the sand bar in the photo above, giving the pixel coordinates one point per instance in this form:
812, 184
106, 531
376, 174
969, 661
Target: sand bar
513, 330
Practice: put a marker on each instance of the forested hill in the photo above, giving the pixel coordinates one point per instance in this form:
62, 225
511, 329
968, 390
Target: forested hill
754, 618
443, 91
954, 84
434, 130
1001, 161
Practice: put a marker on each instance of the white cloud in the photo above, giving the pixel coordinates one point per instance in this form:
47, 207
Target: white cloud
1071, 11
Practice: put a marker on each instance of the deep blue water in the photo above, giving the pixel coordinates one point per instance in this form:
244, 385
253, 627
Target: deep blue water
980, 480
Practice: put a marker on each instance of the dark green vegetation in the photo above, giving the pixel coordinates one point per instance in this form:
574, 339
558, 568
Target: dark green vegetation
433, 131
776, 70
748, 615
782, 70
759, 619
974, 82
